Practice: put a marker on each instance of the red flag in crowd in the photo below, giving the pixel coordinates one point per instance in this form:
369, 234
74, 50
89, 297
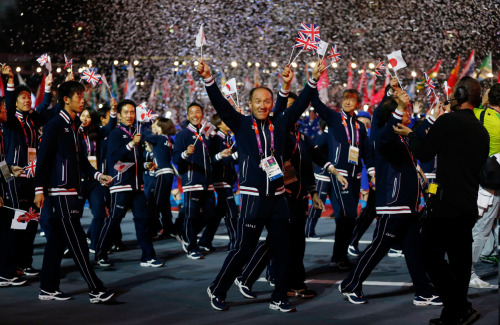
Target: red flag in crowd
2, 89
433, 72
452, 79
41, 92
469, 66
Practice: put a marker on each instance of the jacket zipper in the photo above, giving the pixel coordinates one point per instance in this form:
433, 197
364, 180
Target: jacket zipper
265, 152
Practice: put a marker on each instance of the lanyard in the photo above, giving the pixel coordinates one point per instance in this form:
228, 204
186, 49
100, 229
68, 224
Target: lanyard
296, 143
199, 137
168, 140
347, 131
409, 152
28, 141
87, 143
259, 143
2, 145
126, 131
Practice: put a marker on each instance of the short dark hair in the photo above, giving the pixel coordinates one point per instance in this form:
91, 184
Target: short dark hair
260, 87
322, 124
194, 104
473, 90
216, 120
494, 95
68, 89
165, 124
20, 89
103, 111
352, 91
124, 102
388, 107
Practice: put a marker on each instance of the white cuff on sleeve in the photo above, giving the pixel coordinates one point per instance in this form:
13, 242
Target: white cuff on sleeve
371, 171
431, 119
398, 114
183, 155
284, 93
47, 89
38, 190
209, 81
130, 147
97, 175
235, 155
10, 87
312, 83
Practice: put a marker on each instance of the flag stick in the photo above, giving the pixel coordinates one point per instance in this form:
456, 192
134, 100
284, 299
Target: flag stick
13, 209
201, 53
237, 99
293, 48
396, 74
297, 56
234, 102
116, 175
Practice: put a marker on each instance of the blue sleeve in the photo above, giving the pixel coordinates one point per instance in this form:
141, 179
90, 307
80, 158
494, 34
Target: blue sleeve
226, 112
46, 155
292, 114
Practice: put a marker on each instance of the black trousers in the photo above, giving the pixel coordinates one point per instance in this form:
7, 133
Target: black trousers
324, 189
263, 252
7, 260
257, 213
451, 235
389, 229
364, 220
21, 193
194, 220
63, 229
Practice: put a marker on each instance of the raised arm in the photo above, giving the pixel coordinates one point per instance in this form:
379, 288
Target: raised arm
282, 99
225, 110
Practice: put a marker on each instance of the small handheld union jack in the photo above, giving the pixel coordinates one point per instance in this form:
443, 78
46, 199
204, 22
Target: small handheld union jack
334, 54
429, 85
91, 76
379, 68
30, 169
29, 215
151, 115
311, 31
43, 59
67, 63
304, 43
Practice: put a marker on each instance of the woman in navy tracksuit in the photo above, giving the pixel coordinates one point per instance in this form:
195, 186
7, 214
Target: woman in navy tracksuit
21, 135
323, 181
160, 139
92, 137
397, 199
224, 176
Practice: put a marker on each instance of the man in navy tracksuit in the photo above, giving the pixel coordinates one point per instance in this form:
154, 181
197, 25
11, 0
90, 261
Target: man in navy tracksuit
299, 154
348, 142
224, 176
397, 199
260, 157
60, 164
21, 140
127, 188
192, 155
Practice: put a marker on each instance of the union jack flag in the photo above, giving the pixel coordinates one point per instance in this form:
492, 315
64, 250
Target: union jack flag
379, 68
67, 63
429, 85
304, 43
43, 59
334, 54
30, 169
28, 216
91, 76
311, 31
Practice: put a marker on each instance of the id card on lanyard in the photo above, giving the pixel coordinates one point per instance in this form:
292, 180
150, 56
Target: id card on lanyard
31, 154
93, 161
268, 164
353, 157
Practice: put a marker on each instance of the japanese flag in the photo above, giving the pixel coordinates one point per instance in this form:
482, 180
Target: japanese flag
230, 87
322, 47
121, 167
200, 38
17, 222
141, 113
396, 60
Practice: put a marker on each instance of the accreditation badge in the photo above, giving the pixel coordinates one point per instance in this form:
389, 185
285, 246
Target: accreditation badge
271, 167
31, 155
93, 161
5, 171
289, 173
353, 155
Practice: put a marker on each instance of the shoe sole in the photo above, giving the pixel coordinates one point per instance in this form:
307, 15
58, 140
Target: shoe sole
238, 284
151, 265
210, 295
13, 284
274, 307
46, 298
98, 300
349, 298
196, 258
299, 295
31, 274
472, 319
422, 303
104, 265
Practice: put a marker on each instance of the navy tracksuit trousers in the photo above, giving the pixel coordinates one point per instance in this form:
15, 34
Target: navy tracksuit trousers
63, 229
256, 213
324, 189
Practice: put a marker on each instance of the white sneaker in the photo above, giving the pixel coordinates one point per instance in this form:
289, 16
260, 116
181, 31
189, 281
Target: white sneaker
478, 283
395, 253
